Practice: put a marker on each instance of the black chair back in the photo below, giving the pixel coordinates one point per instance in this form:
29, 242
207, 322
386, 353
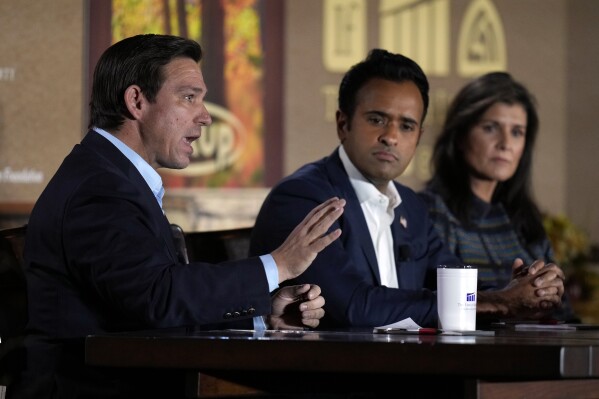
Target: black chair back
218, 245
13, 303
13, 289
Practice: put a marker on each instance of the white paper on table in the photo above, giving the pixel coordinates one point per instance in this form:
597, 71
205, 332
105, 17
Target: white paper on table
408, 325
405, 324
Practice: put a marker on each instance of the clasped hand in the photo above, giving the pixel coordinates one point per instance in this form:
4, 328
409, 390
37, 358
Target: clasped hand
535, 289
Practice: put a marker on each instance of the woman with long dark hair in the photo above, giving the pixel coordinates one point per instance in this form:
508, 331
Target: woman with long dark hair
480, 194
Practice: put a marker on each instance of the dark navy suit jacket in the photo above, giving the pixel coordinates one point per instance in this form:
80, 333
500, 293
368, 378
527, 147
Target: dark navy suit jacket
347, 270
100, 257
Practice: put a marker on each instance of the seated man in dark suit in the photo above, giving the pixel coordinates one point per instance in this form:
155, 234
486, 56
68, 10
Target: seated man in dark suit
382, 269
99, 251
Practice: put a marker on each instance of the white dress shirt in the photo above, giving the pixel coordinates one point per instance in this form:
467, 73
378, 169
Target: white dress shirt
378, 209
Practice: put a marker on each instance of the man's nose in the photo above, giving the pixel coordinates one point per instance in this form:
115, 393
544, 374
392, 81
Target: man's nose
204, 117
390, 135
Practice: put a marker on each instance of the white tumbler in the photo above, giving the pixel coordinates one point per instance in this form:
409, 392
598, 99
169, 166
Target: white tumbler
456, 297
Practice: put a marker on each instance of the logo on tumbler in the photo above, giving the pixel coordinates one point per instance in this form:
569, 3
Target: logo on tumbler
470, 297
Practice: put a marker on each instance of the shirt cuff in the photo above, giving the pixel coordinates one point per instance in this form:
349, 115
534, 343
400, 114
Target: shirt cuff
259, 323
272, 273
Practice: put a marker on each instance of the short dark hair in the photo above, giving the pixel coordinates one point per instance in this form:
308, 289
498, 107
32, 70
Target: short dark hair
384, 65
138, 60
450, 171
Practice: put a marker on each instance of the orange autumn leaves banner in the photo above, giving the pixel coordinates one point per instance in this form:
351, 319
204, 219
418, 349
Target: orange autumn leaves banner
230, 152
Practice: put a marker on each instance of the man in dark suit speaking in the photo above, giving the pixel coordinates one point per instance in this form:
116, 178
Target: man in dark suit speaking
99, 250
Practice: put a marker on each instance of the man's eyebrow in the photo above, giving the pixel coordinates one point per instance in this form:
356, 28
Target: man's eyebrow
403, 118
376, 112
195, 89
407, 119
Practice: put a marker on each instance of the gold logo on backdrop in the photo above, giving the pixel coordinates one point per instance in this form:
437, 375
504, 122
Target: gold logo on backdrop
8, 74
418, 29
330, 101
344, 34
481, 44
219, 146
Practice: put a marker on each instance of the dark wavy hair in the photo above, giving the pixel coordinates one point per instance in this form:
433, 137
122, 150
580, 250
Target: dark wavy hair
450, 171
384, 65
137, 60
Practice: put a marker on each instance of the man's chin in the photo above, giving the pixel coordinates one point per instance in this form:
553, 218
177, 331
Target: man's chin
176, 165
388, 175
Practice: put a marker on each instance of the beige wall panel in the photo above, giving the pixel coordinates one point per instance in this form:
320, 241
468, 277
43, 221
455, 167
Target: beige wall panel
308, 134
582, 106
41, 80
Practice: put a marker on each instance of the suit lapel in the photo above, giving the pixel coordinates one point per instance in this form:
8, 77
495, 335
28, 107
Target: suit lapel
403, 244
107, 150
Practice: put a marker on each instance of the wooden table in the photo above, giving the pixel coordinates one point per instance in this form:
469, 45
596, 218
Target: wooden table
510, 364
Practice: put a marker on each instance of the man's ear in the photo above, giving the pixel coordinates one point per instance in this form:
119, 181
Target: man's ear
342, 125
134, 100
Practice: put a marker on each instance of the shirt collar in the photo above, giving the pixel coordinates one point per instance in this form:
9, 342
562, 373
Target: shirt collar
364, 189
149, 174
